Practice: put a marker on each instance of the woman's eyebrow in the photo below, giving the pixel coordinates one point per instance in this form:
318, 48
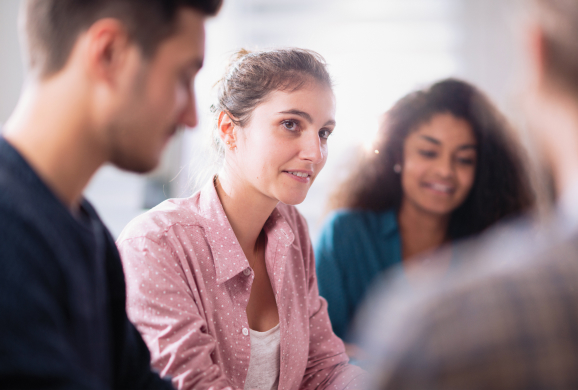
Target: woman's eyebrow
302, 114
438, 142
431, 139
306, 116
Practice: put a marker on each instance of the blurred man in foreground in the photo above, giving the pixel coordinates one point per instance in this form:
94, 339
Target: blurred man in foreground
510, 321
109, 81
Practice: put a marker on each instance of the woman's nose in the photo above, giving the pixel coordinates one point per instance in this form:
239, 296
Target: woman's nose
312, 149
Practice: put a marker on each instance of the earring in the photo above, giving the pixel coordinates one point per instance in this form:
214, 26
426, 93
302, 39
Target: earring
397, 168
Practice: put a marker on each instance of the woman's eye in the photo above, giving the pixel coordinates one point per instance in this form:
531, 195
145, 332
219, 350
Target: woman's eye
290, 125
467, 161
428, 153
324, 133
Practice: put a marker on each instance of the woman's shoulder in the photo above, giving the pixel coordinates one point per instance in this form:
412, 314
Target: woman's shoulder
356, 218
158, 220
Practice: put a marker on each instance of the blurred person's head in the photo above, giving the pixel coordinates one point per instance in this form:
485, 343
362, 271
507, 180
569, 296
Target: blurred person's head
553, 108
446, 151
127, 65
274, 113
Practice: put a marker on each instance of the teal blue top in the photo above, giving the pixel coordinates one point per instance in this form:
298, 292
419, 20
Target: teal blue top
353, 249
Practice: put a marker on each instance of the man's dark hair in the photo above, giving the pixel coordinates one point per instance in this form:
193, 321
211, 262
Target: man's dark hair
52, 26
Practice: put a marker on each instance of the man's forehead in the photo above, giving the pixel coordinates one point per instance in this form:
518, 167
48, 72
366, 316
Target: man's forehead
190, 22
188, 40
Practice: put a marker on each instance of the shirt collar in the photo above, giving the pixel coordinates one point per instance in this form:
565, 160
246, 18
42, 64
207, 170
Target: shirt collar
228, 256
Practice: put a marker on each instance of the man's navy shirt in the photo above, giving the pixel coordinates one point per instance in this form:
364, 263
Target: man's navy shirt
63, 323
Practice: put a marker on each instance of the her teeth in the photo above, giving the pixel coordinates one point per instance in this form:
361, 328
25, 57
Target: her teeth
440, 187
299, 174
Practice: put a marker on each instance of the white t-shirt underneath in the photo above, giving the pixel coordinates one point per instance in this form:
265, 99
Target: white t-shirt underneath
264, 365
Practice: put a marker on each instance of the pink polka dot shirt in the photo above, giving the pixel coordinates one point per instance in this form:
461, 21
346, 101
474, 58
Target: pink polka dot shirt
188, 284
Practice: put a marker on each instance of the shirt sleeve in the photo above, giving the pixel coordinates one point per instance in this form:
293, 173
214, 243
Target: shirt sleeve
331, 277
327, 365
166, 310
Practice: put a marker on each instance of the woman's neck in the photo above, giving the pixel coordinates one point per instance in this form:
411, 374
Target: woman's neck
246, 208
420, 231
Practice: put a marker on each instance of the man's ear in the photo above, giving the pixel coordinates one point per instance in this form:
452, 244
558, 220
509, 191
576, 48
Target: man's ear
538, 52
226, 128
107, 47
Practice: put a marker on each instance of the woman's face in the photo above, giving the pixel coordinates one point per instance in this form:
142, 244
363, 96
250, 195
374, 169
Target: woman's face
284, 146
439, 165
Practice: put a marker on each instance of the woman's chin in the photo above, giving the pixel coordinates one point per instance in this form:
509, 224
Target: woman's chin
292, 199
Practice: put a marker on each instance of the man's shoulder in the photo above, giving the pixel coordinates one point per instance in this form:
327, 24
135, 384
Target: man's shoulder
23, 196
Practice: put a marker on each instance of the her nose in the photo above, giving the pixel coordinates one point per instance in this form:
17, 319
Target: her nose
445, 166
312, 149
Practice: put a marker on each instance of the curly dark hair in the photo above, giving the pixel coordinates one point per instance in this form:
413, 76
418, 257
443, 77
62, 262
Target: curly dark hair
501, 187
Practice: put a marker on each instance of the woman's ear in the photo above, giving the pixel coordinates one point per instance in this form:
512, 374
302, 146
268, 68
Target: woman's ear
226, 128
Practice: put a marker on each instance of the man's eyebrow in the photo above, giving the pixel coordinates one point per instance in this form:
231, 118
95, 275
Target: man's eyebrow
307, 117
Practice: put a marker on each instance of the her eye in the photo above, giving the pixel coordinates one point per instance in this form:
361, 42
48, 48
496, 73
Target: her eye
428, 153
324, 133
290, 125
467, 161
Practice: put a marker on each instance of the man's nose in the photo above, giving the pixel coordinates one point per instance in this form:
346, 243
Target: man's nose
189, 114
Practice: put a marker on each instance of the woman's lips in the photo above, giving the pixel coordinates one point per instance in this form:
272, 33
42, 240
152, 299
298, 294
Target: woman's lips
440, 188
300, 176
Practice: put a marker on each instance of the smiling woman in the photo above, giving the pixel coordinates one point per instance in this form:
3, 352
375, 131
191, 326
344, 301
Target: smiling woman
222, 285
443, 167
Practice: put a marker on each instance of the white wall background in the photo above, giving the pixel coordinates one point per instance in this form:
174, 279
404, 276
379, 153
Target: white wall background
377, 50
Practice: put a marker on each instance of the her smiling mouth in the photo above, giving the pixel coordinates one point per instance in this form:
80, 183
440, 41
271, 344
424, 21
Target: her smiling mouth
299, 174
440, 187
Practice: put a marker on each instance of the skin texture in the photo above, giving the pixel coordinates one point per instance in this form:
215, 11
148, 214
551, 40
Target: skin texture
439, 165
437, 175
160, 99
286, 133
108, 104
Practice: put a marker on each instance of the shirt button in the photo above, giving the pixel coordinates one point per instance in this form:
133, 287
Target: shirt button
245, 331
247, 272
